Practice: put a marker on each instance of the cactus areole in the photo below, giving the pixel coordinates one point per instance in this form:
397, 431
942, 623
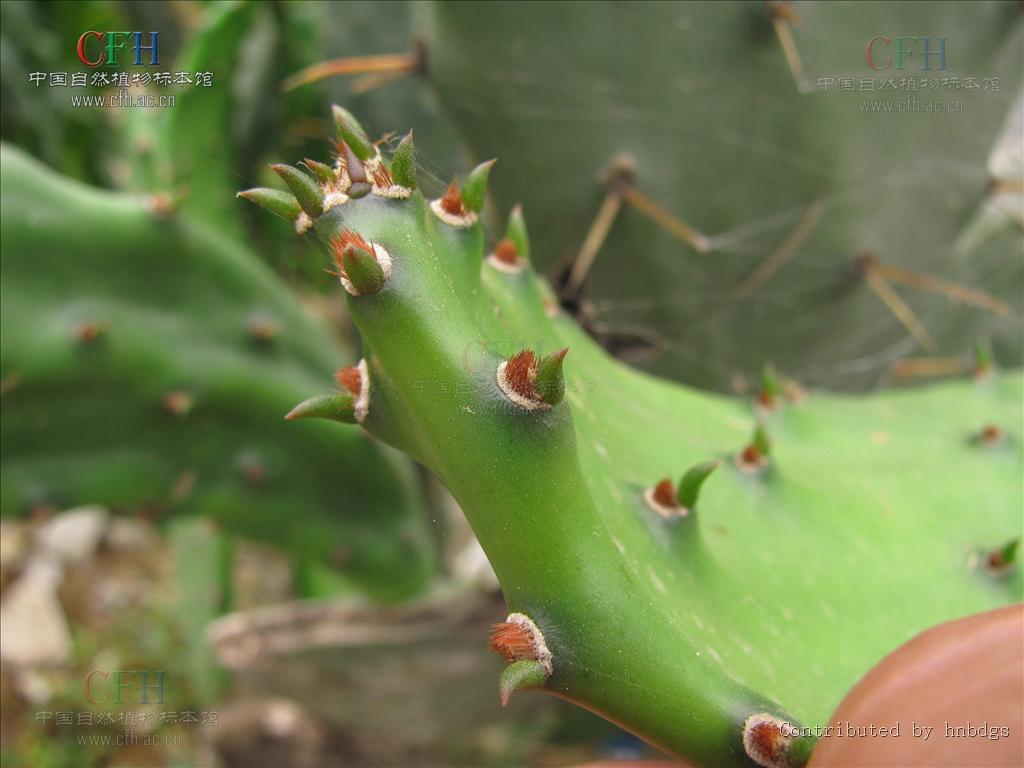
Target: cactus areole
712, 575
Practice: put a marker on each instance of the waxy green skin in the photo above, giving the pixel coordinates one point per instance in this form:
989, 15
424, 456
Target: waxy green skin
84, 422
776, 595
700, 97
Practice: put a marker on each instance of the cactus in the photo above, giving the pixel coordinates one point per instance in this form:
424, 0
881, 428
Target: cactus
713, 613
748, 190
147, 364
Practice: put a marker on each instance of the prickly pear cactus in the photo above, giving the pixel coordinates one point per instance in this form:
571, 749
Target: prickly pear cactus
711, 573
756, 165
147, 364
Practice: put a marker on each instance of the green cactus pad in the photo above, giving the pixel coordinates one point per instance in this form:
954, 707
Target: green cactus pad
795, 573
788, 185
148, 363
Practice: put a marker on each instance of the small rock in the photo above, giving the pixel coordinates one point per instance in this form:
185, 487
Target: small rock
132, 535
35, 630
13, 547
73, 536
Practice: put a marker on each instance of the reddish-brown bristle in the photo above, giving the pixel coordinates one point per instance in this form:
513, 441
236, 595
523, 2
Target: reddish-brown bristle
665, 493
751, 455
766, 399
262, 330
255, 474
452, 200
382, 177
512, 641
768, 742
505, 252
88, 332
178, 403
520, 372
350, 378
990, 435
343, 241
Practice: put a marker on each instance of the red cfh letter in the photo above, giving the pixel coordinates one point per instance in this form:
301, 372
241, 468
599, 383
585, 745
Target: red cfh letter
870, 59
81, 48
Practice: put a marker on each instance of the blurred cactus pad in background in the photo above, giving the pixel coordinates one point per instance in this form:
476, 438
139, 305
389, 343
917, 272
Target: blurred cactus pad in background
718, 359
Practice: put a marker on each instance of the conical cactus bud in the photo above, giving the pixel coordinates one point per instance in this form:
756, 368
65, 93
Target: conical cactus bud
510, 253
362, 266
403, 163
474, 189
530, 384
1001, 560
520, 676
661, 498
353, 166
323, 172
336, 407
549, 381
276, 201
771, 389
990, 435
304, 187
352, 133
693, 479
983, 364
363, 271
516, 232
755, 456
